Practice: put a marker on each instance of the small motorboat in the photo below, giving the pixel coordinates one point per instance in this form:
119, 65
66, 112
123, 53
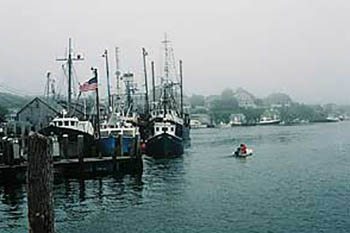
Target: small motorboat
239, 153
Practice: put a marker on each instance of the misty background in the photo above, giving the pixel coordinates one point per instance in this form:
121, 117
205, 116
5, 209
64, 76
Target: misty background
300, 48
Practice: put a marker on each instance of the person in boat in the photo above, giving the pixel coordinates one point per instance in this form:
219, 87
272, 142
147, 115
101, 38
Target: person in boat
242, 149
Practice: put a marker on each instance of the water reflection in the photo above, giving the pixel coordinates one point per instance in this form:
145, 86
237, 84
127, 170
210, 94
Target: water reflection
13, 205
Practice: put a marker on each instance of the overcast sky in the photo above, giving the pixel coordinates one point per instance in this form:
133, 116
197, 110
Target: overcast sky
299, 47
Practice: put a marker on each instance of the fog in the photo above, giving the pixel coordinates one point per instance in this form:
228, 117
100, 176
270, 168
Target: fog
297, 47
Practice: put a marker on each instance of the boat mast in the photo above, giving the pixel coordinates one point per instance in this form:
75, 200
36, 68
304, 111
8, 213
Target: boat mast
47, 88
166, 57
165, 80
181, 90
153, 83
105, 55
69, 74
117, 71
69, 61
144, 54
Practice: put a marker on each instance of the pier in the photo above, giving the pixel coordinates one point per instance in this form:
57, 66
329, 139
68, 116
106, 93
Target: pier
14, 161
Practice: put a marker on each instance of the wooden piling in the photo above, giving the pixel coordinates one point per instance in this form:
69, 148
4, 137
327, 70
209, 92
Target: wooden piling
120, 145
65, 146
80, 152
40, 185
137, 146
9, 160
114, 155
22, 139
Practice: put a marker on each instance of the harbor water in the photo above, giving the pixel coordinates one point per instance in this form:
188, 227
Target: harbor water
298, 180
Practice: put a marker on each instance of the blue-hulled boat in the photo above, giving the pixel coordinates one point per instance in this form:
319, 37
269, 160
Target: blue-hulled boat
110, 131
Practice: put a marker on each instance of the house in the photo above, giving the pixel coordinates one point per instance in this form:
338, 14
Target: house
278, 100
245, 99
39, 112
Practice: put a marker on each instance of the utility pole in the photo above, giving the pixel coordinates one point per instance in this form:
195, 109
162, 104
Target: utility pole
105, 55
144, 53
69, 59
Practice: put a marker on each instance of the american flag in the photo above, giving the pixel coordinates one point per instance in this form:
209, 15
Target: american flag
90, 85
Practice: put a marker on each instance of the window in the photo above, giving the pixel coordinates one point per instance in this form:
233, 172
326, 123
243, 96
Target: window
157, 129
66, 123
72, 123
172, 129
60, 123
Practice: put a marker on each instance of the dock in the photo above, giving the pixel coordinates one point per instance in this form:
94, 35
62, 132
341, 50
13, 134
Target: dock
74, 167
14, 164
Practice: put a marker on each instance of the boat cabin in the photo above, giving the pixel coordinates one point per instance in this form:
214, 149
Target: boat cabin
124, 128
164, 127
74, 124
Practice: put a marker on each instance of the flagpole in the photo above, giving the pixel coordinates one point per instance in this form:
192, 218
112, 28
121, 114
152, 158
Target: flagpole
97, 105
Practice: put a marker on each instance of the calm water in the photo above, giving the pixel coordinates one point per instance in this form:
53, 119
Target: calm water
297, 181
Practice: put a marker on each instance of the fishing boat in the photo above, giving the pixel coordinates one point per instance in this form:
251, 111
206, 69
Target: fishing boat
269, 120
66, 124
118, 126
196, 124
169, 133
169, 125
121, 124
332, 119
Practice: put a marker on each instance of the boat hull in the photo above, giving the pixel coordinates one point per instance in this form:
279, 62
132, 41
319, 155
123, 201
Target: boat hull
164, 146
272, 122
89, 141
109, 145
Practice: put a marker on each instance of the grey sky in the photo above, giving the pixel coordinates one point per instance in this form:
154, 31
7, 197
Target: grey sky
300, 47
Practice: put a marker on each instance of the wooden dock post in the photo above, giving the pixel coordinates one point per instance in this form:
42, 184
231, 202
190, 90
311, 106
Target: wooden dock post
40, 185
22, 139
80, 152
65, 146
137, 146
120, 145
9, 160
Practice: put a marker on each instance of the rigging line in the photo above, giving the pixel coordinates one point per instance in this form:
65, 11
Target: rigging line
173, 63
60, 82
75, 81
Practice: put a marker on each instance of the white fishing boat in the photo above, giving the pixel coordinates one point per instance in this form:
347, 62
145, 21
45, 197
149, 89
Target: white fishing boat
196, 124
269, 120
